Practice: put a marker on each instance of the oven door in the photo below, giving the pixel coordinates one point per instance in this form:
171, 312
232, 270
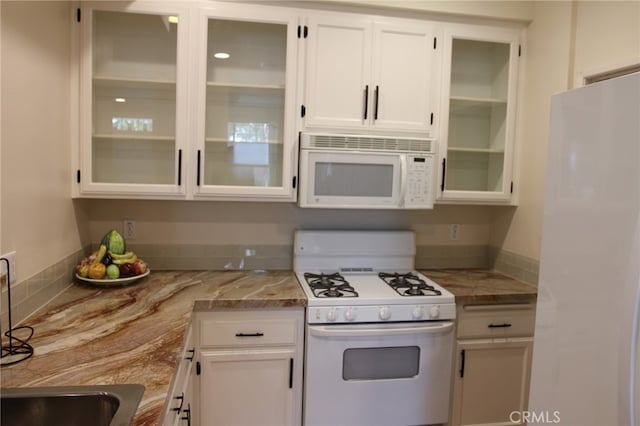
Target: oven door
378, 374
348, 179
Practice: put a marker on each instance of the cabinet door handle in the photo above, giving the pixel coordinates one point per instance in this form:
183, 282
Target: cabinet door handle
179, 167
258, 334
366, 101
375, 110
198, 170
444, 173
290, 373
504, 325
462, 360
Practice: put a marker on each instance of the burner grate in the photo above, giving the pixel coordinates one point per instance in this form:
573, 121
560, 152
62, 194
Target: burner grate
408, 284
329, 285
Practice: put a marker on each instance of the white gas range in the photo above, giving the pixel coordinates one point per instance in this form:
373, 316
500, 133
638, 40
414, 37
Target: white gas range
379, 334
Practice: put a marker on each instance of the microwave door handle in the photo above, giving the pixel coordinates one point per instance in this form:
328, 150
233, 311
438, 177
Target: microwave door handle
403, 180
354, 331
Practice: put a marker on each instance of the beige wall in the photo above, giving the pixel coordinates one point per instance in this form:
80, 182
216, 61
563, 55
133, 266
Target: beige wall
607, 35
38, 218
272, 223
565, 41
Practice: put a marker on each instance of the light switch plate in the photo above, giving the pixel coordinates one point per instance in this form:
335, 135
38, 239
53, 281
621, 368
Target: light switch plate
454, 232
129, 229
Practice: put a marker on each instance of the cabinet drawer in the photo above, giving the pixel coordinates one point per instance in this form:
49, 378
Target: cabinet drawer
495, 320
248, 332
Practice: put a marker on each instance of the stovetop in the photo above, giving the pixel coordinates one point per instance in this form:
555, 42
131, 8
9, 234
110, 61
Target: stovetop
380, 288
366, 276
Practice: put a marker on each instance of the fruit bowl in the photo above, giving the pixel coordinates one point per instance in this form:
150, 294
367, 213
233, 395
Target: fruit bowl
114, 282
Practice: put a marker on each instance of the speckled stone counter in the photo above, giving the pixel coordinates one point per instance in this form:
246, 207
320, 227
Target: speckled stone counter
97, 335
480, 286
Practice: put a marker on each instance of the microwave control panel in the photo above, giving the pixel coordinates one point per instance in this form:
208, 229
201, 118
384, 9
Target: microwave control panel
418, 189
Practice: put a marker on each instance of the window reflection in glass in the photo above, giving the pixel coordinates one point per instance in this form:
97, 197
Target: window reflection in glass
250, 142
130, 124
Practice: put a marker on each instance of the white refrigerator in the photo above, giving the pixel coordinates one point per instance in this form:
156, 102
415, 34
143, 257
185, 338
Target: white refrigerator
585, 356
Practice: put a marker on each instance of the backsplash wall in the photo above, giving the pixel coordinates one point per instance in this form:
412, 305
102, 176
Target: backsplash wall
216, 235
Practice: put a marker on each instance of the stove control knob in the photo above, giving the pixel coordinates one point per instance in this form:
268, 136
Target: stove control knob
332, 314
417, 313
434, 311
350, 314
384, 313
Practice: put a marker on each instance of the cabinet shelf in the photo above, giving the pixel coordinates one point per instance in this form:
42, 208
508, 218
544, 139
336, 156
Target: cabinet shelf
132, 83
133, 137
226, 140
471, 105
240, 86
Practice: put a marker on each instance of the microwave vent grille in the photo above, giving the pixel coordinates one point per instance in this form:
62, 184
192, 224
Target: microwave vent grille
370, 143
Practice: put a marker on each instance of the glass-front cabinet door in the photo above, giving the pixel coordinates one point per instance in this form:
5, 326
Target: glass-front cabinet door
132, 100
480, 90
246, 132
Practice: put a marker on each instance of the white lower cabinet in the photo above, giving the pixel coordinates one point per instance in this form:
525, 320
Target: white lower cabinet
492, 364
250, 367
179, 407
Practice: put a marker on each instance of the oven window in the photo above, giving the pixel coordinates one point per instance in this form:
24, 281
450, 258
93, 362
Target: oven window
381, 363
354, 180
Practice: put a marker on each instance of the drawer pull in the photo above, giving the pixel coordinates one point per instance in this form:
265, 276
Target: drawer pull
499, 307
504, 325
187, 413
181, 399
191, 354
258, 334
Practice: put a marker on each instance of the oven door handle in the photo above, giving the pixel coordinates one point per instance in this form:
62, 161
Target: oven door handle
353, 331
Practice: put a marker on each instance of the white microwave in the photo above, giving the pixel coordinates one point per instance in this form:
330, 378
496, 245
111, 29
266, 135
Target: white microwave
366, 172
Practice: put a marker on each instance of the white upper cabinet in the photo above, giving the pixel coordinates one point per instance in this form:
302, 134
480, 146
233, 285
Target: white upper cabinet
480, 73
132, 91
369, 74
245, 122
165, 114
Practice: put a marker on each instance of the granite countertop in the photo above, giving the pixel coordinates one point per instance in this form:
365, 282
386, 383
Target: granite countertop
111, 335
482, 286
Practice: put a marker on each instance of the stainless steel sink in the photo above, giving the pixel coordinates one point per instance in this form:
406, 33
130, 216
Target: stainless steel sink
103, 405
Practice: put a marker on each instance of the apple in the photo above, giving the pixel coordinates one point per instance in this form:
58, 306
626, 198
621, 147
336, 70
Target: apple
140, 267
127, 270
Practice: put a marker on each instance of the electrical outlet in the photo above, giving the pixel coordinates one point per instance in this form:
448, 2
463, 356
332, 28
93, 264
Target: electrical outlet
11, 257
454, 232
129, 230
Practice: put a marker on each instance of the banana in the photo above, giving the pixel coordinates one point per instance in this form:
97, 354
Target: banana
101, 252
127, 255
125, 260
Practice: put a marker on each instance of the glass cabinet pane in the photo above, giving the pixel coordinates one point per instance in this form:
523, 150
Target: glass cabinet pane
133, 98
477, 115
244, 130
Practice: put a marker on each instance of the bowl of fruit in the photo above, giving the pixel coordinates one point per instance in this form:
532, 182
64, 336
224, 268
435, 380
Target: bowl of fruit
112, 264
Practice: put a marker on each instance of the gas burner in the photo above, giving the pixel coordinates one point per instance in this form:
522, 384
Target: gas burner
329, 285
408, 284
